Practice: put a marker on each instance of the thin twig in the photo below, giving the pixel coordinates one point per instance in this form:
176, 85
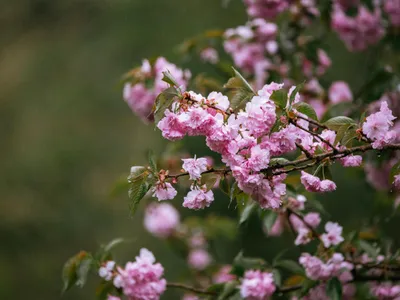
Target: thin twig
316, 135
190, 289
304, 150
316, 123
314, 232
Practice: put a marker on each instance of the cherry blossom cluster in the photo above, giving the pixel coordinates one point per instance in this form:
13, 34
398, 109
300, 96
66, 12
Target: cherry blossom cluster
253, 47
145, 83
139, 280
257, 285
385, 291
336, 266
358, 32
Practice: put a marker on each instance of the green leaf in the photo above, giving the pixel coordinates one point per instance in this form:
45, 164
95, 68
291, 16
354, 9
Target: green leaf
137, 174
306, 109
334, 289
336, 122
75, 270
280, 98
294, 92
277, 277
362, 118
83, 270
241, 263
209, 180
244, 82
278, 161
289, 265
152, 160
240, 97
164, 101
242, 91
269, 219
224, 185
168, 78
69, 276
247, 212
341, 131
348, 137
104, 289
368, 248
137, 191
229, 289
307, 286
111, 245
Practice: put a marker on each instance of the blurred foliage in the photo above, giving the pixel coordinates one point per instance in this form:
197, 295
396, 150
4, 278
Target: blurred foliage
67, 136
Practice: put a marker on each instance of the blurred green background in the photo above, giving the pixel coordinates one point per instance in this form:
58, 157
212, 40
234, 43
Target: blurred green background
67, 135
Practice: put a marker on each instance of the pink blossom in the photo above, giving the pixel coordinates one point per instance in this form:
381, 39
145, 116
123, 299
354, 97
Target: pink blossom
303, 236
190, 297
209, 55
197, 121
329, 136
195, 166
267, 9
198, 198
378, 176
319, 292
376, 126
314, 184
324, 62
339, 92
162, 65
172, 126
336, 266
139, 99
259, 158
312, 219
161, 219
277, 228
142, 279
396, 181
385, 291
298, 202
111, 297
106, 270
360, 31
259, 116
224, 275
333, 235
351, 161
218, 100
164, 191
257, 285
392, 8
140, 95
199, 259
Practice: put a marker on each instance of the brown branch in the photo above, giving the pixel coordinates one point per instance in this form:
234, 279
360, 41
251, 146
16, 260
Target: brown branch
316, 135
309, 227
316, 123
190, 289
339, 154
212, 170
304, 150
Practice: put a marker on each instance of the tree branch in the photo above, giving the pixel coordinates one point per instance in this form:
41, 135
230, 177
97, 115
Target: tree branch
190, 289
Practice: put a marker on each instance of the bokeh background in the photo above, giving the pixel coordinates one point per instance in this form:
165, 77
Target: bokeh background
67, 136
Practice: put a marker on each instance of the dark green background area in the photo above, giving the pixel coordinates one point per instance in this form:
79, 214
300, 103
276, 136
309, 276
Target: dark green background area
67, 136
